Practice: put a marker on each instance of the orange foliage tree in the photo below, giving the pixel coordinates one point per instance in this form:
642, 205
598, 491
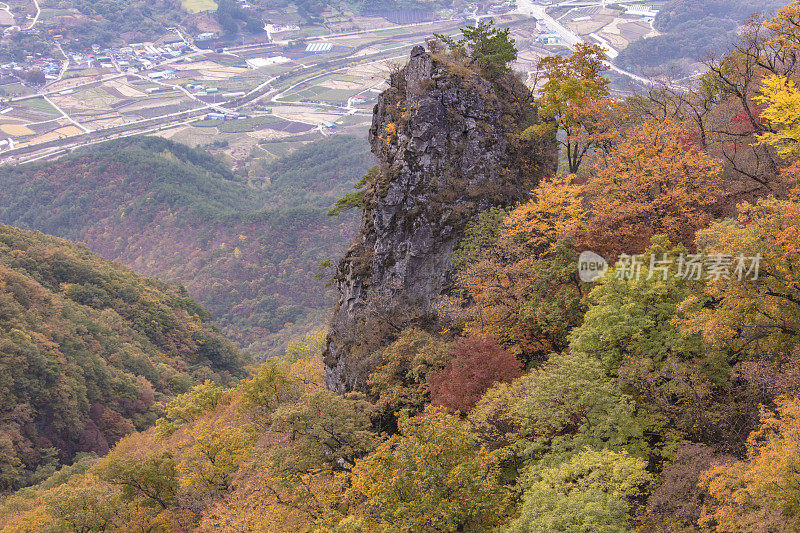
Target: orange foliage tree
761, 493
524, 291
653, 181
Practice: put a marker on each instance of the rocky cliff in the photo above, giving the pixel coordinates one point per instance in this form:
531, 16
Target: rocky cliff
446, 142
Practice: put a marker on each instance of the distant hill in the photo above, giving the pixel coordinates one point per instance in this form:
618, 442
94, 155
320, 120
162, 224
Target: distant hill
88, 351
692, 30
248, 254
109, 21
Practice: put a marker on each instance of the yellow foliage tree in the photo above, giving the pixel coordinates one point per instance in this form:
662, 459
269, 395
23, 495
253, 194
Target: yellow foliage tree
211, 453
740, 315
761, 493
433, 476
525, 292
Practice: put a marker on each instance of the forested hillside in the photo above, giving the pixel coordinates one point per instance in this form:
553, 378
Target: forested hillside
108, 21
692, 31
248, 254
89, 352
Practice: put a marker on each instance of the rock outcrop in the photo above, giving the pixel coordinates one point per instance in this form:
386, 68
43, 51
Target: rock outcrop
448, 146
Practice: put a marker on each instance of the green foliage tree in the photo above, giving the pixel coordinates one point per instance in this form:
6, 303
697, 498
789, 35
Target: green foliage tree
269, 388
570, 403
188, 407
480, 236
400, 384
150, 480
487, 47
327, 432
593, 492
355, 200
630, 320
433, 476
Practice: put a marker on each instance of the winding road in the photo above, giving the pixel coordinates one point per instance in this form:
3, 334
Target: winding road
33, 22
571, 39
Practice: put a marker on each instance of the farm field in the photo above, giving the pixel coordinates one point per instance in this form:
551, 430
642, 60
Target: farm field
609, 24
196, 6
282, 93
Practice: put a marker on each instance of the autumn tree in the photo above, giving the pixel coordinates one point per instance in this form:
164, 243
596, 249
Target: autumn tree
268, 389
780, 98
326, 432
573, 97
754, 308
476, 366
653, 181
525, 292
761, 493
188, 407
401, 383
211, 453
675, 505
83, 507
144, 476
496, 419
433, 476
307, 347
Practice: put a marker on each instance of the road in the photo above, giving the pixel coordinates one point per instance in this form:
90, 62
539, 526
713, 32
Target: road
33, 22
75, 122
527, 7
272, 90
571, 39
262, 91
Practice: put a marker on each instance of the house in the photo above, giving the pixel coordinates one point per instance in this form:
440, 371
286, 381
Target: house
550, 38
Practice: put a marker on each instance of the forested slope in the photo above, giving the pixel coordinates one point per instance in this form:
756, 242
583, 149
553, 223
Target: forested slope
109, 22
88, 352
692, 31
248, 254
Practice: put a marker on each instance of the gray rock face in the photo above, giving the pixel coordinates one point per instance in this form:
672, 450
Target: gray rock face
445, 140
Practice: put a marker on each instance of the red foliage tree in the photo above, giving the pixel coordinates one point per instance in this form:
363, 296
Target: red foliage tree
476, 366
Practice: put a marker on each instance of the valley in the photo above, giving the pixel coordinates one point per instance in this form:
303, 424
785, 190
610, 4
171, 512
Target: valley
288, 87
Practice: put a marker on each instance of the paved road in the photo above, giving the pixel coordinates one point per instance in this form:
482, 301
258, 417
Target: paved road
75, 122
571, 39
33, 22
527, 7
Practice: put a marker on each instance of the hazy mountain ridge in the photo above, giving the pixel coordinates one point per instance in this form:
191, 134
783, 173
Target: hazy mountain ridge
249, 254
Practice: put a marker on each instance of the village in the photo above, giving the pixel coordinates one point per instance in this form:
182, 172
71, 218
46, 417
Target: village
263, 94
